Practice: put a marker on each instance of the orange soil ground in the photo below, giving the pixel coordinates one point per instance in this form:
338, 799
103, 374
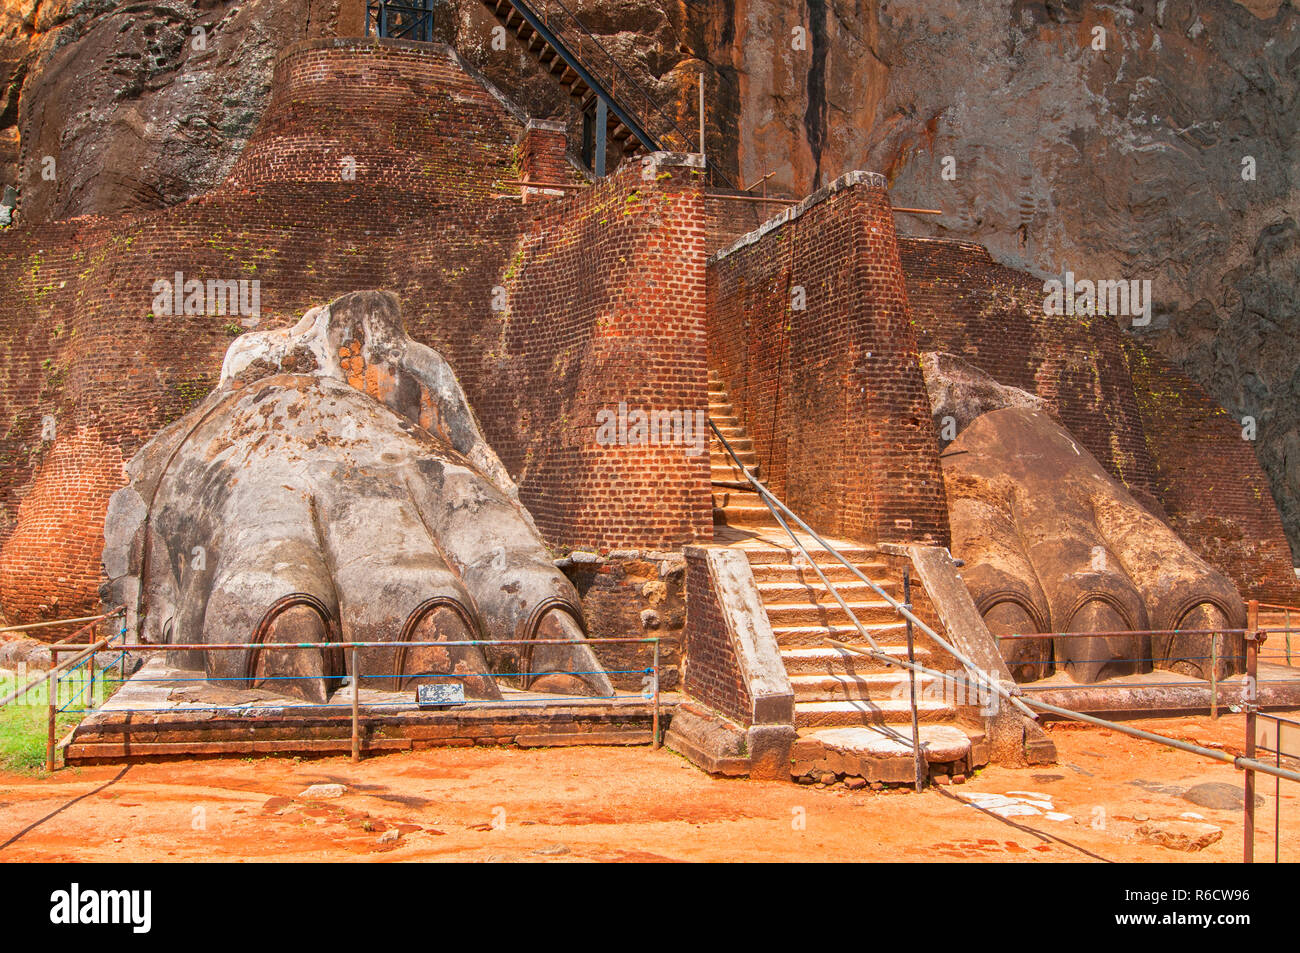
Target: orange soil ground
611, 804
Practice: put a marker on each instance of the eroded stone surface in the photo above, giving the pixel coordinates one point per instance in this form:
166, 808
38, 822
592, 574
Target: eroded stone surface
357, 502
940, 742
1053, 543
1188, 836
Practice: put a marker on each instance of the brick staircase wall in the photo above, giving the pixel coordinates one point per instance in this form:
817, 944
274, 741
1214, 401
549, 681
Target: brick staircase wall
606, 308
832, 395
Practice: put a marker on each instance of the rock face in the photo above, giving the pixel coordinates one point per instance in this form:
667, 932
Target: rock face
1162, 148
960, 392
1053, 543
108, 107
336, 487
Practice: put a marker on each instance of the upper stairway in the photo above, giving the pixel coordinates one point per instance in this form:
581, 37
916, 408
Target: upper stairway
556, 39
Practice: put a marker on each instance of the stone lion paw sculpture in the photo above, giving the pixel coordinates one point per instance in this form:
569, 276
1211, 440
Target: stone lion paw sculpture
335, 486
1053, 543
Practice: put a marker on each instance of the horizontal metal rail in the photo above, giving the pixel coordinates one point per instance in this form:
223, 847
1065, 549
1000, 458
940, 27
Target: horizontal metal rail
1239, 762
651, 695
47, 625
54, 672
1121, 632
237, 646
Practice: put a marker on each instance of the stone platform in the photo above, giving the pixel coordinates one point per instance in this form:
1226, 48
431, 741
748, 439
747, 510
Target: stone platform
1162, 692
163, 712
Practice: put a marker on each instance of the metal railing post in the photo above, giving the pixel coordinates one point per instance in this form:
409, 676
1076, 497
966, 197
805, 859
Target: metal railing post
356, 708
52, 690
1288, 636
1252, 673
917, 757
654, 743
1214, 675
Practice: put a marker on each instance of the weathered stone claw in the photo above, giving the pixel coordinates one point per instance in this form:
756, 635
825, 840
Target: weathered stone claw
336, 487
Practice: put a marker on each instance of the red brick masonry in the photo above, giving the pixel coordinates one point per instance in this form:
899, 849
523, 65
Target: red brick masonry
832, 393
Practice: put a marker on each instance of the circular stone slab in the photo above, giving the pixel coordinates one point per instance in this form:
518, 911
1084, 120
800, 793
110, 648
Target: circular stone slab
940, 742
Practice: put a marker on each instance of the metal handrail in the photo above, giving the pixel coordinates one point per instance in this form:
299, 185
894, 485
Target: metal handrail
605, 85
772, 503
421, 21
624, 74
66, 643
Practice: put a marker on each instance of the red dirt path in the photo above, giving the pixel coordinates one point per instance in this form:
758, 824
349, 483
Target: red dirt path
611, 804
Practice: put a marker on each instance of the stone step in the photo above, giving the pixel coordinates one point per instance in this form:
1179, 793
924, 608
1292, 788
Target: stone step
886, 685
740, 514
810, 589
825, 660
763, 553
827, 714
723, 422
834, 571
793, 636
740, 443
748, 459
866, 611
878, 753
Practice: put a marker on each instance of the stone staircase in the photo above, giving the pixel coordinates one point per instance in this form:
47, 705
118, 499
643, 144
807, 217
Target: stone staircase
834, 689
558, 42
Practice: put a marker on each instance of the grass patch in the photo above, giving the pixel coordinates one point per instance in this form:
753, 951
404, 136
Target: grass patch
23, 733
24, 724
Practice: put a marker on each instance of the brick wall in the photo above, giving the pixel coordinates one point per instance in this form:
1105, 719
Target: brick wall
631, 594
712, 671
967, 304
605, 298
542, 152
79, 339
617, 314
832, 395
1210, 482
